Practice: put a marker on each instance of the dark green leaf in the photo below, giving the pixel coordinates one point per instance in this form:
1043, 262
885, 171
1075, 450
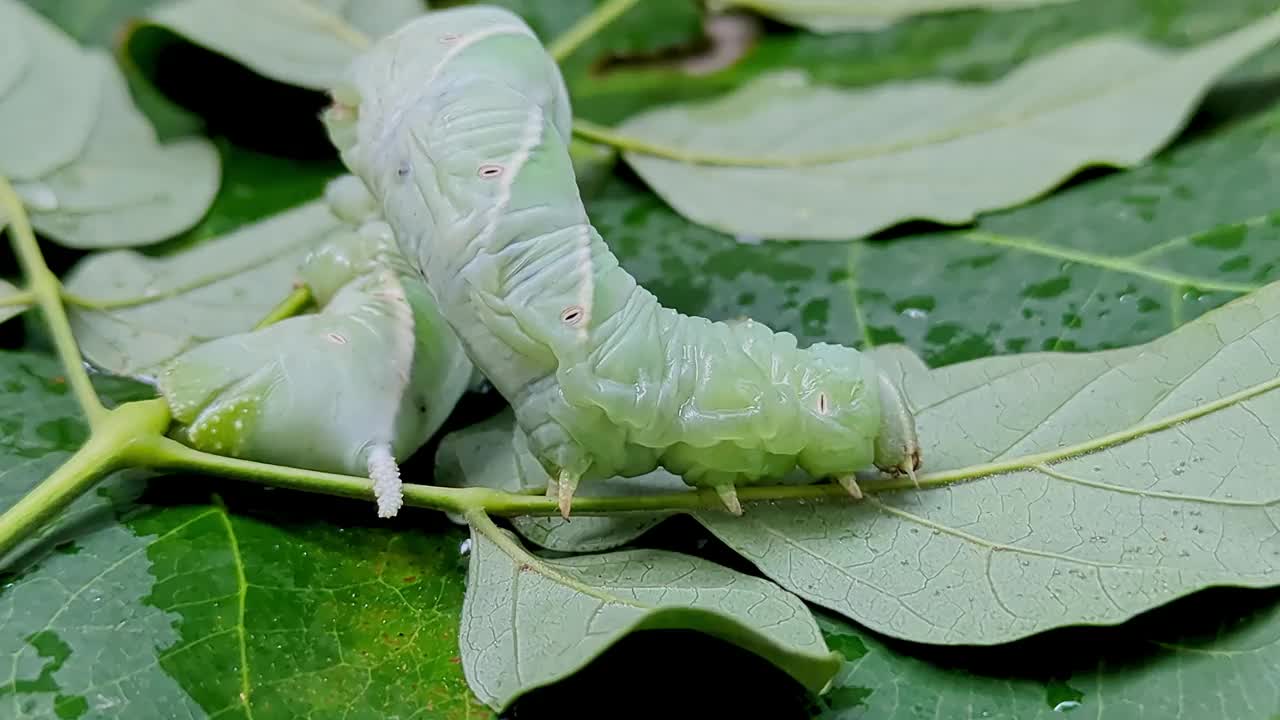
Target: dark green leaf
1211, 656
184, 607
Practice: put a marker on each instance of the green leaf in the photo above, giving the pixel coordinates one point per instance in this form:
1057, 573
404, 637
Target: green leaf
301, 42
132, 312
1061, 489
484, 455
188, 606
964, 47
49, 94
1211, 655
530, 621
831, 16
125, 188
7, 291
1119, 260
85, 160
736, 164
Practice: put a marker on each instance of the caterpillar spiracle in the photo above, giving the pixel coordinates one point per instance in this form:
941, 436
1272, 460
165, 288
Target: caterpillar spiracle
350, 389
459, 125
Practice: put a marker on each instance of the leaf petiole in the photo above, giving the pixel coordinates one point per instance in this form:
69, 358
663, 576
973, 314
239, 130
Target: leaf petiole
296, 301
592, 23
22, 297
46, 292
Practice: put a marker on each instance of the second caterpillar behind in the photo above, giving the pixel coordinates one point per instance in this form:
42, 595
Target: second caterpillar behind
459, 125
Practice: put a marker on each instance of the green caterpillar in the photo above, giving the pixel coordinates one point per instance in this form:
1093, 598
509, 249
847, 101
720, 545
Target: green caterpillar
368, 379
459, 125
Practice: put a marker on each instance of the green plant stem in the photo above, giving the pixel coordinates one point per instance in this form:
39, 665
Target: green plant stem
22, 297
290, 306
46, 290
165, 453
563, 46
110, 447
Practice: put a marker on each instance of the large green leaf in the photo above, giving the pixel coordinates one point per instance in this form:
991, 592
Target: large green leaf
829, 16
135, 312
88, 163
968, 47
1088, 488
1213, 655
1116, 261
194, 607
302, 42
49, 94
782, 158
529, 621
125, 188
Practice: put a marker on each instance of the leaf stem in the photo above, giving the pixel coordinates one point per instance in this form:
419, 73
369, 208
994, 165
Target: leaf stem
590, 24
46, 290
290, 306
22, 297
165, 453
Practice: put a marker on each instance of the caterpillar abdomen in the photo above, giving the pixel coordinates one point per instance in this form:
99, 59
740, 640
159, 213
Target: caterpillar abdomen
459, 125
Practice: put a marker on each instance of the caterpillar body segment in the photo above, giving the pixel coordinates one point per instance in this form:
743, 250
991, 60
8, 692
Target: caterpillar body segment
349, 389
458, 124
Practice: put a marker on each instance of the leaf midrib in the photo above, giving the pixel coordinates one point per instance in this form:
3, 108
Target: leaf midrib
1048, 457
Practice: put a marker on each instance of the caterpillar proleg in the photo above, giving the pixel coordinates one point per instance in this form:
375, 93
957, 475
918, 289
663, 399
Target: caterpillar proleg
459, 125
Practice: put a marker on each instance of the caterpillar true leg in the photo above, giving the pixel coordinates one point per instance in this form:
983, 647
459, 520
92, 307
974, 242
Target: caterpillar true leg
850, 484
729, 496
566, 485
897, 447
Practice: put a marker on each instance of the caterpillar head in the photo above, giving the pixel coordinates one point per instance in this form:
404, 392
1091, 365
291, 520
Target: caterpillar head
897, 446
402, 72
856, 416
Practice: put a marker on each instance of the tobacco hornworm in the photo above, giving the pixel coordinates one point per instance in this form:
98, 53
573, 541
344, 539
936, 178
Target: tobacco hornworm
459, 125
366, 380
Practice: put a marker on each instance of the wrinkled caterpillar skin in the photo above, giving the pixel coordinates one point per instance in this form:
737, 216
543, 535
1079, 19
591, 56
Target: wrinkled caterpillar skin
459, 125
368, 379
